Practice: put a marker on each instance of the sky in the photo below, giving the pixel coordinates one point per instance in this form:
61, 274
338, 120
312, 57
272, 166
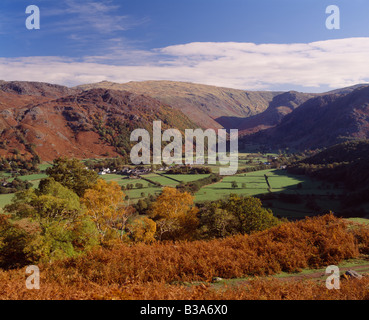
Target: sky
242, 44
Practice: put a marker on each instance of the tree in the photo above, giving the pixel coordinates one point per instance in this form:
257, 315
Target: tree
73, 174
217, 222
51, 202
234, 185
142, 229
174, 214
250, 214
64, 230
61, 240
13, 241
104, 203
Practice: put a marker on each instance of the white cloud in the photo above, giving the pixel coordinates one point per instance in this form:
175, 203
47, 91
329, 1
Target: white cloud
101, 17
331, 63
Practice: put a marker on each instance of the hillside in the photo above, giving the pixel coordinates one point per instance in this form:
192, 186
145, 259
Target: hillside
345, 164
38, 89
95, 120
344, 152
72, 123
279, 107
207, 106
320, 122
15, 94
184, 270
347, 90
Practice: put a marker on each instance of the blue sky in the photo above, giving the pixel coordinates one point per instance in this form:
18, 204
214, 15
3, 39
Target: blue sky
246, 44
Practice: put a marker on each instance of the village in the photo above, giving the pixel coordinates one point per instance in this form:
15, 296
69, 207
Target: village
132, 173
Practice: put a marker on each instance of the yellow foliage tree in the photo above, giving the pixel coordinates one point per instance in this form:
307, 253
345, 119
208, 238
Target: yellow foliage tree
175, 215
104, 203
142, 229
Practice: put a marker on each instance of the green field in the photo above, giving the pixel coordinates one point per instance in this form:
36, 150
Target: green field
280, 181
134, 194
164, 179
359, 220
44, 166
256, 184
33, 177
5, 199
187, 177
325, 195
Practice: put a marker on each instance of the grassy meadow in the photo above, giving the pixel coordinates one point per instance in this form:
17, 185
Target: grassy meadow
326, 196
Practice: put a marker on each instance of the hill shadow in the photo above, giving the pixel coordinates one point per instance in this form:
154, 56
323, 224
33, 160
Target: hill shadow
281, 105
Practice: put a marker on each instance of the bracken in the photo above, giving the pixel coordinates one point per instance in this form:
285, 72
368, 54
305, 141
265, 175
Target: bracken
155, 271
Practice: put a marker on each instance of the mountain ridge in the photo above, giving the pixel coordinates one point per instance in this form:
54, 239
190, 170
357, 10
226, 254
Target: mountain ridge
210, 106
95, 120
85, 124
322, 121
203, 103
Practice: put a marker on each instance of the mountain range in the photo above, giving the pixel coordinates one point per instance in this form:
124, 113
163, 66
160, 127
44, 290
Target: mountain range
207, 106
95, 120
54, 121
320, 122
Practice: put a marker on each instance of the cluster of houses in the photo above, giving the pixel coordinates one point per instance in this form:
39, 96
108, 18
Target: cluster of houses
126, 171
106, 171
135, 171
272, 159
284, 167
131, 172
165, 168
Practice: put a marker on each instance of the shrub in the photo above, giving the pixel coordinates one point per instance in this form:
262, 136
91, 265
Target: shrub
289, 247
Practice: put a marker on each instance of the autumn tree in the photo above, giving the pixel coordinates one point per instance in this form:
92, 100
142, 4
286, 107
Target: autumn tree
142, 229
64, 230
175, 215
49, 203
73, 174
234, 215
105, 205
216, 222
249, 213
13, 241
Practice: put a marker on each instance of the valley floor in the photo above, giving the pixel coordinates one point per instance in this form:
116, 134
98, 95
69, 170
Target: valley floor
324, 196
